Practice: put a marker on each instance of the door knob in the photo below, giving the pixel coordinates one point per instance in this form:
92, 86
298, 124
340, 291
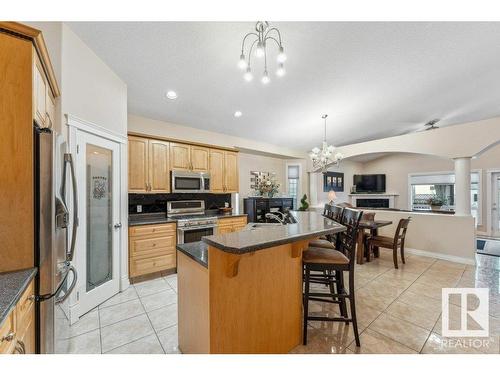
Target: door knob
118, 225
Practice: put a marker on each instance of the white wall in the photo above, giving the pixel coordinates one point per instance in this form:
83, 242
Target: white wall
90, 89
152, 127
349, 168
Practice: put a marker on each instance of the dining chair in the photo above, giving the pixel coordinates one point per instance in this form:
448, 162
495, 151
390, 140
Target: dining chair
394, 243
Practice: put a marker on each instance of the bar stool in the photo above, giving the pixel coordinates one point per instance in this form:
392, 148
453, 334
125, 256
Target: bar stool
330, 242
333, 263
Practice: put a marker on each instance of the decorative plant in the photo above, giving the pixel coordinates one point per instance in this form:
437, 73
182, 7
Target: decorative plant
304, 205
436, 201
267, 185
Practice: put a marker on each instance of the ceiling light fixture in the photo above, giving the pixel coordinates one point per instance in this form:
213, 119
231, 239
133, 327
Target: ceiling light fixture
171, 95
322, 158
238, 114
263, 33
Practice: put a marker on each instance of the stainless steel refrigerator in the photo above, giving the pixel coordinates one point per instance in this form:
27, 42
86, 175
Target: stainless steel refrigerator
54, 244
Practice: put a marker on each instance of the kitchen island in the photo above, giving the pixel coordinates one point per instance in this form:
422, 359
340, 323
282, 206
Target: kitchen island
241, 292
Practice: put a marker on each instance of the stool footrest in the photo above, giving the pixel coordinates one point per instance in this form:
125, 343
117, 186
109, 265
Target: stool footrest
327, 319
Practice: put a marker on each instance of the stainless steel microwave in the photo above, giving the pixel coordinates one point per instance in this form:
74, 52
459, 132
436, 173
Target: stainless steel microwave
190, 182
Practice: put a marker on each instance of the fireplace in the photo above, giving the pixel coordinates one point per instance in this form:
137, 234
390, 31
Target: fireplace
385, 200
372, 203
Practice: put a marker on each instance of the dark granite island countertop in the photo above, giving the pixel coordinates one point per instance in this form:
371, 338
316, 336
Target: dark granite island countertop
310, 225
12, 286
197, 251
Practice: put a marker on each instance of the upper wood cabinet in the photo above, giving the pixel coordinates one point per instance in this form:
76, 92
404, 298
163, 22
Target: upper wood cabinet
138, 164
180, 157
148, 161
184, 157
231, 174
224, 177
159, 176
199, 159
43, 100
216, 171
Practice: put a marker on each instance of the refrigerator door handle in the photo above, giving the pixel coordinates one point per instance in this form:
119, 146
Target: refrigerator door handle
70, 289
68, 159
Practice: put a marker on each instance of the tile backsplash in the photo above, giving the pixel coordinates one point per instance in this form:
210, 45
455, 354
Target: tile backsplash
158, 202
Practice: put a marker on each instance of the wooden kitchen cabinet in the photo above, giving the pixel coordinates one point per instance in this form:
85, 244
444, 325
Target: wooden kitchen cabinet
152, 249
185, 157
159, 176
180, 157
17, 333
224, 176
148, 162
231, 173
231, 224
216, 171
138, 165
199, 159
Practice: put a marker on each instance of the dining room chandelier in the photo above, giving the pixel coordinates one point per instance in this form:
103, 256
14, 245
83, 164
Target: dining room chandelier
255, 45
325, 156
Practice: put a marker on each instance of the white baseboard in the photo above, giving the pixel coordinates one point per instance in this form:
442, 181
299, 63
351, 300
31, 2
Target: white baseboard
450, 258
124, 283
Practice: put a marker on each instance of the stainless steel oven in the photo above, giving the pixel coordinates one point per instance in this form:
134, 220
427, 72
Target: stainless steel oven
190, 182
195, 233
192, 222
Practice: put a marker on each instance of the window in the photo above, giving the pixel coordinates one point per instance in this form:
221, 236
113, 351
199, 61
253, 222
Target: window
424, 187
293, 173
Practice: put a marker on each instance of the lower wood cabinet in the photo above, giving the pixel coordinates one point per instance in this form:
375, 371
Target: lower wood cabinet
17, 333
231, 224
152, 248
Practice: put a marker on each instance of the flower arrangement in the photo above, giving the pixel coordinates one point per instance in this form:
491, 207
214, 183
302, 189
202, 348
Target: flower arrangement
267, 186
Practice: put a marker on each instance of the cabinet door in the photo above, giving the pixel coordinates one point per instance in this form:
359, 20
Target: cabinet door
180, 157
199, 159
39, 94
216, 171
51, 109
224, 229
159, 179
231, 175
138, 165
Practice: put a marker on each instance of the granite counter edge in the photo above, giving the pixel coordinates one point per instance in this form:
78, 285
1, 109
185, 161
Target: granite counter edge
20, 290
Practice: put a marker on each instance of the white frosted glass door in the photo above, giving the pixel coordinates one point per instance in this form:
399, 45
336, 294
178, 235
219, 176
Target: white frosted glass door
99, 215
98, 261
495, 209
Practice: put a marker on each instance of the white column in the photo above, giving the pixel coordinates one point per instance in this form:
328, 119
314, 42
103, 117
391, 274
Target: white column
462, 186
313, 189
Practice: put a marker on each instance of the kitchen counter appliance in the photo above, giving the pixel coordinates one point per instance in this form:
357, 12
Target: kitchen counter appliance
192, 222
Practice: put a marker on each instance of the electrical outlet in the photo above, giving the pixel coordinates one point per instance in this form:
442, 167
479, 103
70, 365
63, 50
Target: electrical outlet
139, 208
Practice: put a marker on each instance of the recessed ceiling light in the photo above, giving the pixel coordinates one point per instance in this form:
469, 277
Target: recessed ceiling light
171, 95
238, 114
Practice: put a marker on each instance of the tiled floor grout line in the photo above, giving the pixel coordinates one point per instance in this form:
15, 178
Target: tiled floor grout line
152, 326
386, 311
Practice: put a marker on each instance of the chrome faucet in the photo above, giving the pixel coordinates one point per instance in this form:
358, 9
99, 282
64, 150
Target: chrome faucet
272, 215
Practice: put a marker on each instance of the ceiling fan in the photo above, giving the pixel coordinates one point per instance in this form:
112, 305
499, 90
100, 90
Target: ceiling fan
431, 125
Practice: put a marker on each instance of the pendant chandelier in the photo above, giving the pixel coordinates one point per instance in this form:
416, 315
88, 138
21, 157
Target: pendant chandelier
257, 46
322, 158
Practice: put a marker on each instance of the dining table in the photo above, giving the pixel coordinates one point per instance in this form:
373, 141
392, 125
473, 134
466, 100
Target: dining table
372, 226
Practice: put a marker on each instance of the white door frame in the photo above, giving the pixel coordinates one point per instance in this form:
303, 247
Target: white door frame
489, 199
76, 125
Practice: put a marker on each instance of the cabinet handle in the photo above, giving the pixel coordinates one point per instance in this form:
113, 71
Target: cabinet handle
8, 337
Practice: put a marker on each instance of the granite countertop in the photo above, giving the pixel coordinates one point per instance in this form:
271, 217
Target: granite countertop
12, 285
254, 237
160, 218
197, 251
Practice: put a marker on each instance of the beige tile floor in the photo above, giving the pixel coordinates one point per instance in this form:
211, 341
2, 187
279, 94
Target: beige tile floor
399, 311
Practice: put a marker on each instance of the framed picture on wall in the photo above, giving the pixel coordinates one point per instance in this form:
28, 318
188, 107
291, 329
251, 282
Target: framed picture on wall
333, 181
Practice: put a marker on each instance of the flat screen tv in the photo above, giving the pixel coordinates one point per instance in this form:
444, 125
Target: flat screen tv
369, 183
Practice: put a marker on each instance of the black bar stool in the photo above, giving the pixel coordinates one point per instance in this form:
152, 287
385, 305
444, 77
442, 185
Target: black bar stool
333, 264
330, 241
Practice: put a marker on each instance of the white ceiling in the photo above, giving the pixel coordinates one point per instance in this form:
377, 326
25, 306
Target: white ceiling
373, 79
